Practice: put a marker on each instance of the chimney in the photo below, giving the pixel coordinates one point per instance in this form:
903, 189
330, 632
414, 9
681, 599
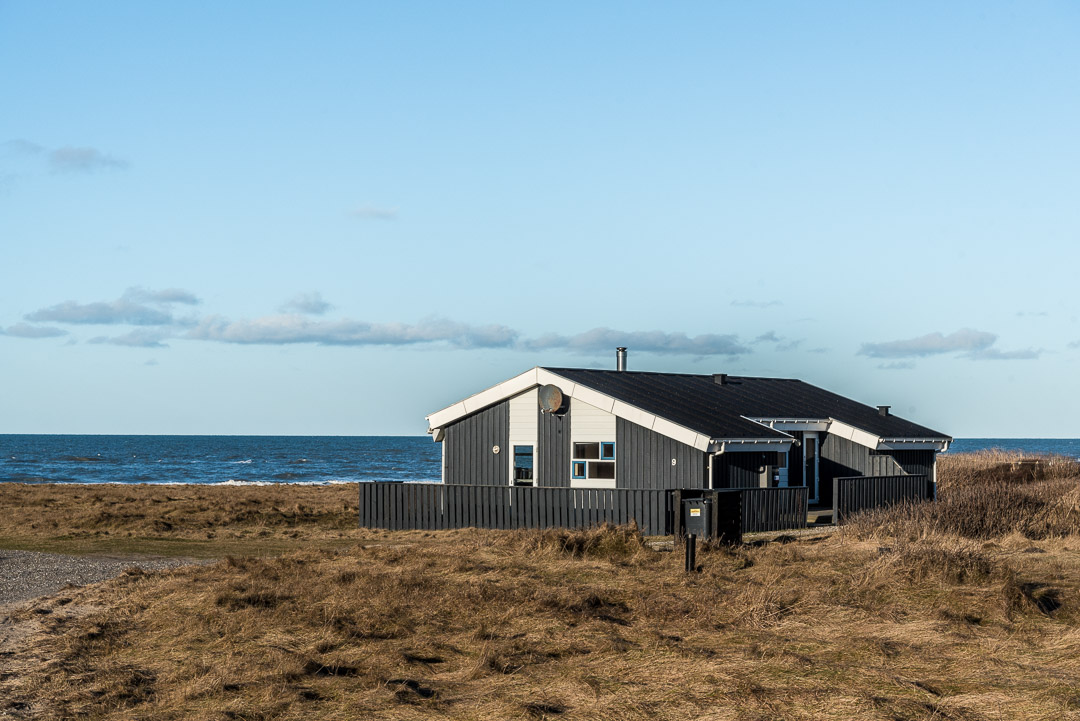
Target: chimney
620, 358
720, 379
883, 410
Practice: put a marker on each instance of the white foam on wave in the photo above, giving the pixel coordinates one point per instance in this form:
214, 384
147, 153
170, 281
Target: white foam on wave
242, 462
230, 482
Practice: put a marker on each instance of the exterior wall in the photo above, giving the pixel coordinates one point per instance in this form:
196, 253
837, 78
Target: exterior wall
467, 448
643, 460
740, 469
841, 457
591, 424
553, 451
524, 428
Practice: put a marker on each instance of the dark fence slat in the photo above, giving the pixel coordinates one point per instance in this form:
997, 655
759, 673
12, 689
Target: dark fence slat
858, 493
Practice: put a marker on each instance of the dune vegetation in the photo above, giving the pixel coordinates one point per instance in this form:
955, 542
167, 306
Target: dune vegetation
967, 608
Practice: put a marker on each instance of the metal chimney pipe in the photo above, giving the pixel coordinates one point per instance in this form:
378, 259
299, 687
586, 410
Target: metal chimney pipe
620, 358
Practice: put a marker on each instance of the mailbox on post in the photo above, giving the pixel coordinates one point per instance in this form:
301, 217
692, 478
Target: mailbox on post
698, 517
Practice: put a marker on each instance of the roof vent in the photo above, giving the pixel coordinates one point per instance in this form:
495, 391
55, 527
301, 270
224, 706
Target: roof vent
883, 410
620, 358
720, 379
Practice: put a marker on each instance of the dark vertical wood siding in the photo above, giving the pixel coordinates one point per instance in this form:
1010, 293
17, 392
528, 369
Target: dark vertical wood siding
737, 470
643, 459
554, 451
916, 463
468, 447
842, 458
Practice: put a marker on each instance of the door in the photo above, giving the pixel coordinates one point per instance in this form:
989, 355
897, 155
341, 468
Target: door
523, 466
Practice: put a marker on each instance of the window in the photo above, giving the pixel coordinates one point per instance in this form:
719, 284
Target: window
523, 465
588, 451
594, 461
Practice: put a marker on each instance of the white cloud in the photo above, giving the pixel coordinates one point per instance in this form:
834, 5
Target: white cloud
602, 339
307, 303
129, 309
135, 339
966, 343
288, 329
24, 330
995, 354
965, 339
166, 296
897, 365
82, 160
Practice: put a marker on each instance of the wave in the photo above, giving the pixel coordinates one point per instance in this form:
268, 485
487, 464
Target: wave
242, 462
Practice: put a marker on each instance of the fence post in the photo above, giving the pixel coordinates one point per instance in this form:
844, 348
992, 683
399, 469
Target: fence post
677, 513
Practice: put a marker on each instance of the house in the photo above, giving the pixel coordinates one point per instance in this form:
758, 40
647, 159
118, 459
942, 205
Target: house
622, 429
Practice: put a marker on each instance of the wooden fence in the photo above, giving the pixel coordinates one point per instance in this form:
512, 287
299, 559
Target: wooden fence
433, 506
750, 510
774, 509
858, 493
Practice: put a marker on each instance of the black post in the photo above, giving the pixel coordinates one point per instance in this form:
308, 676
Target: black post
678, 529
691, 553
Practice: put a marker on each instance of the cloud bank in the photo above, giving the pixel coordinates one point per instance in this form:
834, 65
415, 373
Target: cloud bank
132, 308
966, 343
601, 339
134, 339
289, 329
24, 330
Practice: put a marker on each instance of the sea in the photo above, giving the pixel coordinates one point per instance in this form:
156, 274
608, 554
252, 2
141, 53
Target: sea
261, 460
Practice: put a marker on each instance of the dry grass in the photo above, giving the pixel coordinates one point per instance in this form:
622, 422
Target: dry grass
193, 520
988, 495
885, 621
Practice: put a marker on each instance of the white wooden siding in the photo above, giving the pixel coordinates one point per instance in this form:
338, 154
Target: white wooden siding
589, 423
524, 427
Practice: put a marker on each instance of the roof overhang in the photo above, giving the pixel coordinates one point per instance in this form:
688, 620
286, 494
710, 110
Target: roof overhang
750, 445
854, 434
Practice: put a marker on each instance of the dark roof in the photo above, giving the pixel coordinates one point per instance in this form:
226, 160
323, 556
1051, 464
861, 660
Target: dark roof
703, 405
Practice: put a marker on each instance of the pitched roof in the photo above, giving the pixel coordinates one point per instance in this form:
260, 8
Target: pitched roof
699, 403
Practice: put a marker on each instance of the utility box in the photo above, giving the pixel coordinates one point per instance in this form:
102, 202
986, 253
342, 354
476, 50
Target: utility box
698, 517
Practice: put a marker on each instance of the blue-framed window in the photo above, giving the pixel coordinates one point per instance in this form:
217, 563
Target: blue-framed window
593, 460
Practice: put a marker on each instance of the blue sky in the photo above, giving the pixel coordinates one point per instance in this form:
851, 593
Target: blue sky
334, 218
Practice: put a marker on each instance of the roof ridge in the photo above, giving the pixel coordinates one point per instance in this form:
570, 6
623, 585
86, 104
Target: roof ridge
669, 373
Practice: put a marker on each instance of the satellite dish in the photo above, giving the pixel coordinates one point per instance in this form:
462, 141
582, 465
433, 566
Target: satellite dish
550, 398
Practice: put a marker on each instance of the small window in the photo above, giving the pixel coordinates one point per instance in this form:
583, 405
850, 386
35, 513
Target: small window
523, 463
588, 451
607, 451
579, 469
600, 469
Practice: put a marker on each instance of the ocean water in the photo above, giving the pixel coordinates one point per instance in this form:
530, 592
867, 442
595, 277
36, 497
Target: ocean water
281, 459
1035, 446
217, 459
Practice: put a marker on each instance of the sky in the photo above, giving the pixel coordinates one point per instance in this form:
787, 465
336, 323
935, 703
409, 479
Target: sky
335, 218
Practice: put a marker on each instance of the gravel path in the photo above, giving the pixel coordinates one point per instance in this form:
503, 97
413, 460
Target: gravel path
28, 574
